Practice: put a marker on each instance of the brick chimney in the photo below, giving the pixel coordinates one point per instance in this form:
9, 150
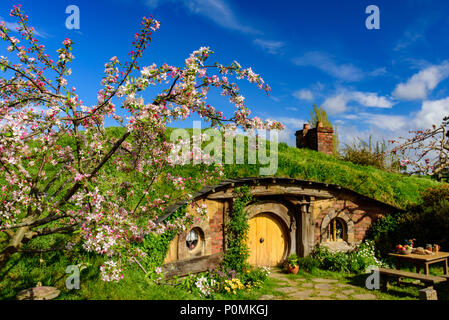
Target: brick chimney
319, 138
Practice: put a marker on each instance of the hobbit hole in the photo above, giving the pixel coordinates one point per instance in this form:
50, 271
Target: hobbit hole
286, 216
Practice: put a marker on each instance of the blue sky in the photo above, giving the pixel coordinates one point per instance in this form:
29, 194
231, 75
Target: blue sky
381, 82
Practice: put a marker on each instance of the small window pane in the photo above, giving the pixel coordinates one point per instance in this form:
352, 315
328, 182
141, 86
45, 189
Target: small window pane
336, 230
192, 239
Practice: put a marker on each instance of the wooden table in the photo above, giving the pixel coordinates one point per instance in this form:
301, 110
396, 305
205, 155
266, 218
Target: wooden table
424, 261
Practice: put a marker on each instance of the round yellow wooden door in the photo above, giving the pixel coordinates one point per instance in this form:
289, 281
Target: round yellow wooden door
267, 240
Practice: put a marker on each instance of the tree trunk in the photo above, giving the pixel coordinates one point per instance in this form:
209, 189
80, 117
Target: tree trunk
14, 244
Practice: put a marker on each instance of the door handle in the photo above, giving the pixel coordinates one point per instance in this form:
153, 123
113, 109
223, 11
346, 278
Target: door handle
261, 240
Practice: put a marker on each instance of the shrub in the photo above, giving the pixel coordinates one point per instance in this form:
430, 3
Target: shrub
353, 261
237, 252
156, 246
292, 260
363, 256
428, 222
385, 233
333, 261
206, 284
371, 154
308, 264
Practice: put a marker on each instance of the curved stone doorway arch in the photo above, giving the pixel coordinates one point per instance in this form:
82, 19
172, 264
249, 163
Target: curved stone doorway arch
272, 233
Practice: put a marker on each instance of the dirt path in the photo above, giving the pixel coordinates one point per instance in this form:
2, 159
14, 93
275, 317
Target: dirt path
315, 289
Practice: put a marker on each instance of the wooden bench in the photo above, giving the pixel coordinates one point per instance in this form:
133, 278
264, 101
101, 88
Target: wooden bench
428, 280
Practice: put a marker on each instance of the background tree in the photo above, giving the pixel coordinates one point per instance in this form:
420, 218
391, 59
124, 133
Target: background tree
56, 156
371, 153
426, 151
318, 114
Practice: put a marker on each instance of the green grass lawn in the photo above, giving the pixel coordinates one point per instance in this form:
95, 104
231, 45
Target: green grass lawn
25, 273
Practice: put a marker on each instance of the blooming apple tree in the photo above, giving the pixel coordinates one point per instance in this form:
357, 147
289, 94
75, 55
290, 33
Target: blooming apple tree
56, 155
427, 151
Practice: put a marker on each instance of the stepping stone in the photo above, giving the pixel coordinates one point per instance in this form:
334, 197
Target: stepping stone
319, 298
365, 296
267, 297
343, 285
323, 286
348, 292
321, 280
325, 293
38, 293
301, 295
307, 285
341, 297
287, 290
278, 275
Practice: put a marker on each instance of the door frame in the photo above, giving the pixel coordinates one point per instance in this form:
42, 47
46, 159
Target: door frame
283, 214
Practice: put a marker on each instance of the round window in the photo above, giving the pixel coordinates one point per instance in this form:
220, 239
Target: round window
192, 239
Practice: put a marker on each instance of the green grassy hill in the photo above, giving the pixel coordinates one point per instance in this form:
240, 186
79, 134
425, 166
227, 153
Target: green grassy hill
393, 188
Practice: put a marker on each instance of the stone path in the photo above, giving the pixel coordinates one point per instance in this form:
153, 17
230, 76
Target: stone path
315, 289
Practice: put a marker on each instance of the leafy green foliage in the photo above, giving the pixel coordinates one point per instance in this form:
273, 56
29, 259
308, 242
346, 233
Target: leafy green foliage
318, 114
355, 261
308, 264
292, 260
384, 233
237, 228
156, 245
371, 154
427, 221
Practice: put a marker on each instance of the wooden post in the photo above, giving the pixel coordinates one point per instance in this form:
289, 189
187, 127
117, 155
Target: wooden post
428, 293
445, 267
304, 234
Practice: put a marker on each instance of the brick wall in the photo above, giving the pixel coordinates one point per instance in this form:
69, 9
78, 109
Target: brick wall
319, 138
362, 215
216, 229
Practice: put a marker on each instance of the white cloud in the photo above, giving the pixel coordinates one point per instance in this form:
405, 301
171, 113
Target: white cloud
291, 109
431, 113
422, 83
152, 3
303, 94
378, 72
325, 63
273, 47
291, 126
408, 39
350, 116
349, 133
370, 99
14, 25
384, 121
338, 103
216, 10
